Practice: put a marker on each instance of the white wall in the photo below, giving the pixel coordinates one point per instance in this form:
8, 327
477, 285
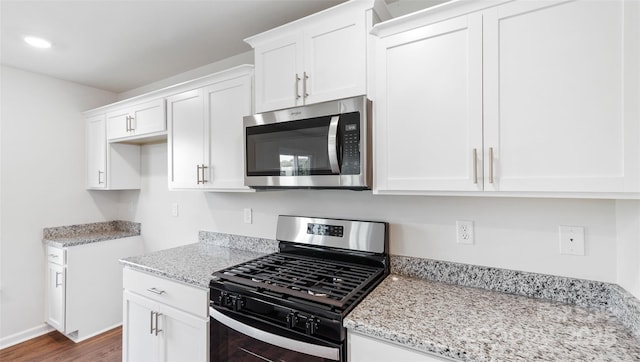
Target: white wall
42, 171
628, 248
514, 233
242, 58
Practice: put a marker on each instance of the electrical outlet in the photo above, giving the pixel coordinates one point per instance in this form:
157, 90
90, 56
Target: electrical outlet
571, 240
174, 209
464, 232
247, 216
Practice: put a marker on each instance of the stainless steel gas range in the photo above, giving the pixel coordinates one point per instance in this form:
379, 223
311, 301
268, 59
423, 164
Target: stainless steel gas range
290, 305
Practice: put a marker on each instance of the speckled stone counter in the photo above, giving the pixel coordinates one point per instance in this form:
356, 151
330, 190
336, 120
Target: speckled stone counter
194, 263
73, 235
468, 323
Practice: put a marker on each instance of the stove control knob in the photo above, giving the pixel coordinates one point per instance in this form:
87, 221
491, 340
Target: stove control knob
236, 302
312, 325
223, 298
292, 319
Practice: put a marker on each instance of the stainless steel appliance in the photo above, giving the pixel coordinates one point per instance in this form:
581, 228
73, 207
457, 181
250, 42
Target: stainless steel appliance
290, 305
325, 145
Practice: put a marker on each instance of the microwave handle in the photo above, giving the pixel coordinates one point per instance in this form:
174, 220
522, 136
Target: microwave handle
332, 141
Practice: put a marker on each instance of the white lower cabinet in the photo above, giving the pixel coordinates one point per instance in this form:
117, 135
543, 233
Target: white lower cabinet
56, 295
367, 349
163, 320
84, 286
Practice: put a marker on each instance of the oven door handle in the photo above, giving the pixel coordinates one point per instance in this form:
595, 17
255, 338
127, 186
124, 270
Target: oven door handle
332, 141
283, 342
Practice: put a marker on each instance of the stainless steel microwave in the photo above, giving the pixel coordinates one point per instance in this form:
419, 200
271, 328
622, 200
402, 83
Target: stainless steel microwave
324, 145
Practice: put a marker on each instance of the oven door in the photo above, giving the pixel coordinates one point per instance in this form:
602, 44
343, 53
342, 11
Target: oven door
247, 341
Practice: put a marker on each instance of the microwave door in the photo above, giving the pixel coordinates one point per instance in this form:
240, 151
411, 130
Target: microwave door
293, 149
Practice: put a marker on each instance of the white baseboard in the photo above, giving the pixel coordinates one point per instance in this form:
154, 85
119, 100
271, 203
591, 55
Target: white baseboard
25, 335
78, 340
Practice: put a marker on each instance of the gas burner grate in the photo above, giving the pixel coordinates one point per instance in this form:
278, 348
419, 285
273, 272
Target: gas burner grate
324, 281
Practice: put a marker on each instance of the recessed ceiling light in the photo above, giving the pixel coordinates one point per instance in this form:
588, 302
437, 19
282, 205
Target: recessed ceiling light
37, 42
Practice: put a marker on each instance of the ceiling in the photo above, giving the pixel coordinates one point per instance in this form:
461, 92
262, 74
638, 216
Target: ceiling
122, 45
119, 45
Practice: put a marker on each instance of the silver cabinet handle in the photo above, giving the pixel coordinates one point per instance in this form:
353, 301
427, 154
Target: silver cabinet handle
151, 321
475, 166
331, 145
156, 291
297, 86
203, 167
200, 180
130, 124
304, 85
53, 256
127, 126
57, 275
157, 329
490, 165
154, 317
100, 173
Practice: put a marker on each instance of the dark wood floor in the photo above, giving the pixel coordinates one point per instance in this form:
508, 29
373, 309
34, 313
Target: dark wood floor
106, 347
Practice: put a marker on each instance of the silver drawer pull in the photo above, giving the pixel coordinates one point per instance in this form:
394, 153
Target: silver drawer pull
156, 291
54, 256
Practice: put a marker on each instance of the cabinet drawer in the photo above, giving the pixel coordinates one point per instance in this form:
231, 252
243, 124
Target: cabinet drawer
56, 255
180, 296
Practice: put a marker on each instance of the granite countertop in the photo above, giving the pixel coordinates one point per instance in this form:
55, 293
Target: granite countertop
194, 263
473, 324
73, 235
464, 312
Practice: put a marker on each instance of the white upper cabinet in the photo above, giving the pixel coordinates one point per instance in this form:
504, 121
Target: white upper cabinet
185, 115
429, 108
524, 98
109, 166
96, 152
315, 59
279, 71
226, 104
555, 97
136, 121
205, 133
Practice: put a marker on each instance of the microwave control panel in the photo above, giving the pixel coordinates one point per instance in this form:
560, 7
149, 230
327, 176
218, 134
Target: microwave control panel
350, 129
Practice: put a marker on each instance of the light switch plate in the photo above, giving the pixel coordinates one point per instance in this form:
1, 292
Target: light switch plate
248, 219
571, 240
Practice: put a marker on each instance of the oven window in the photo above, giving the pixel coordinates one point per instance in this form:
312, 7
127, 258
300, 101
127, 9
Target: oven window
296, 148
228, 345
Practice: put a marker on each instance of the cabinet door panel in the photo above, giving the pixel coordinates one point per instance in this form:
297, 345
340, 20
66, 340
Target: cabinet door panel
56, 296
184, 337
138, 343
149, 117
335, 59
554, 83
96, 152
118, 124
277, 65
429, 108
185, 114
227, 103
